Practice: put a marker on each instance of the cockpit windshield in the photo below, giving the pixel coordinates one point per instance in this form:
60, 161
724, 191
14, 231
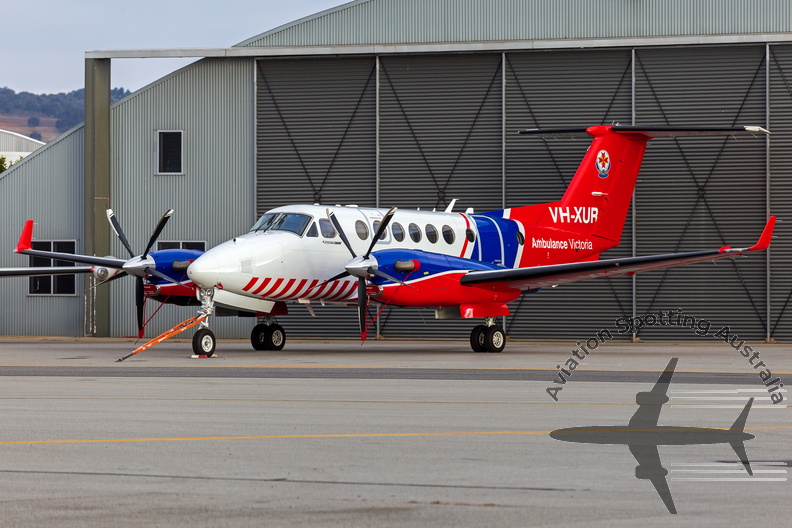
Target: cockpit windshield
265, 222
292, 222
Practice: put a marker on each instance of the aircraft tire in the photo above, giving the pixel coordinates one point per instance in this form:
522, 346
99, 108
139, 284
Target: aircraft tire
204, 342
477, 338
258, 337
495, 339
275, 338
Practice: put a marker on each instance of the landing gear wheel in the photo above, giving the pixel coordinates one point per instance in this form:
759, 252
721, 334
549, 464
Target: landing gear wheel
275, 337
495, 339
204, 342
258, 337
477, 339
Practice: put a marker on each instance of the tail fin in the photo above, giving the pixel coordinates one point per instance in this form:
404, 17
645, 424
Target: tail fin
598, 197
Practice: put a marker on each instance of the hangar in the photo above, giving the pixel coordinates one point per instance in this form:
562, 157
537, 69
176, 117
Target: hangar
414, 103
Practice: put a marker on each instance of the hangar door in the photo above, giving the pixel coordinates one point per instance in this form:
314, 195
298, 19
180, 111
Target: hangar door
421, 130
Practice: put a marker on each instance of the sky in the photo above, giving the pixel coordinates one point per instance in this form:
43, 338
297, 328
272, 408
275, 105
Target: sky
43, 42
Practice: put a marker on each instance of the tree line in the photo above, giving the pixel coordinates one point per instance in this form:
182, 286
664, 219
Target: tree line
68, 108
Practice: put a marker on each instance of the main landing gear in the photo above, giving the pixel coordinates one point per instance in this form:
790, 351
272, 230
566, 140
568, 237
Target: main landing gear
488, 337
268, 336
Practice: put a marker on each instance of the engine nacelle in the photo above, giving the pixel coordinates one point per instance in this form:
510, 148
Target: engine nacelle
102, 274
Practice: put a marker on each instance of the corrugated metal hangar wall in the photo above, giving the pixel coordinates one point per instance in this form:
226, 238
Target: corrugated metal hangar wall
420, 130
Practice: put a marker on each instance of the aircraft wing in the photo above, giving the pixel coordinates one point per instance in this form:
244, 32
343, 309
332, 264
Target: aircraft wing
553, 275
40, 271
650, 468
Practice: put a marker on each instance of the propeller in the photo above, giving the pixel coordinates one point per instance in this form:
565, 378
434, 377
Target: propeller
362, 266
140, 266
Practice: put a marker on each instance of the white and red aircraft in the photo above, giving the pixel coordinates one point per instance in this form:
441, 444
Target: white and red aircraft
464, 265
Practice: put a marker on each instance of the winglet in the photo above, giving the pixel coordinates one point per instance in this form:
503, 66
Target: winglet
25, 238
767, 234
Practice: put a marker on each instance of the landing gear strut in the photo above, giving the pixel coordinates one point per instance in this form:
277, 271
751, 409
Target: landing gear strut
268, 336
488, 337
204, 341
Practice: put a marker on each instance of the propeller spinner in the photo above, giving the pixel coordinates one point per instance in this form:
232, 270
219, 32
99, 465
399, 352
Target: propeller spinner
363, 266
140, 266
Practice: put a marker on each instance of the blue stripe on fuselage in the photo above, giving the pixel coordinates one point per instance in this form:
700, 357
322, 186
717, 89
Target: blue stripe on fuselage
497, 239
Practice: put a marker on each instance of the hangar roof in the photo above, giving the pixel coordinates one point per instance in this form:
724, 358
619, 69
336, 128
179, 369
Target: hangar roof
17, 143
366, 22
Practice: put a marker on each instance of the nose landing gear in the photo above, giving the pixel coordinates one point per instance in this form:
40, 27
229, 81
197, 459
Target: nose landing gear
204, 341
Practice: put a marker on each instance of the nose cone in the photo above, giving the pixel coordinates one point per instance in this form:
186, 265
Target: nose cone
204, 271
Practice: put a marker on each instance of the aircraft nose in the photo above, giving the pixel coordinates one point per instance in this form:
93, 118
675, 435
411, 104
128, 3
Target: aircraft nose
204, 271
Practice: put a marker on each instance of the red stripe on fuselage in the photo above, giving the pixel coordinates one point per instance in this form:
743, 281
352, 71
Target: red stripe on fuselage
250, 284
261, 287
467, 226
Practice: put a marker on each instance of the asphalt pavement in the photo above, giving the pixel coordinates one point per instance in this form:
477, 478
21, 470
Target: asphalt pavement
332, 433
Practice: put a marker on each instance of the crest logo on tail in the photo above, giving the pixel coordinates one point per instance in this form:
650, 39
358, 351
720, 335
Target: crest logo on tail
603, 163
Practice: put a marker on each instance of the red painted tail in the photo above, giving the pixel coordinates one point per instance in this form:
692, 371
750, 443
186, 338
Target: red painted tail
597, 200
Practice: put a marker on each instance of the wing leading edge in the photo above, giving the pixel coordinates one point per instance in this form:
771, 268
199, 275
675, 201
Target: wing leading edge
553, 275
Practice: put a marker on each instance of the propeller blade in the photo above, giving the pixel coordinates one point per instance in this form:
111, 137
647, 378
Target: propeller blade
140, 301
340, 231
362, 303
155, 235
383, 275
116, 225
382, 227
331, 279
160, 275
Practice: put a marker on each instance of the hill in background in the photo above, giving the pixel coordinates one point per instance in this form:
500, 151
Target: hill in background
46, 116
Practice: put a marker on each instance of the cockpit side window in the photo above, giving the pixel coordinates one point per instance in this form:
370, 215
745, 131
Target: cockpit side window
265, 222
292, 222
327, 229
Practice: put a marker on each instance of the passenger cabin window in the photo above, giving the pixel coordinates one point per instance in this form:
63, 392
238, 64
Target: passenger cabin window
52, 284
292, 222
265, 222
169, 152
398, 232
361, 229
448, 234
431, 233
376, 226
415, 233
326, 227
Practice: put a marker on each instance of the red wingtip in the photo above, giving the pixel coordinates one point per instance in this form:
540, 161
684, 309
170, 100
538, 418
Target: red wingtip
767, 235
26, 237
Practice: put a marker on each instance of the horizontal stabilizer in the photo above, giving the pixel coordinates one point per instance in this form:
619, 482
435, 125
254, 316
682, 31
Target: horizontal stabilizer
651, 131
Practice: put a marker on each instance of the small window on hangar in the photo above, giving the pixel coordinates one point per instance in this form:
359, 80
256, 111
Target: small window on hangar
169, 152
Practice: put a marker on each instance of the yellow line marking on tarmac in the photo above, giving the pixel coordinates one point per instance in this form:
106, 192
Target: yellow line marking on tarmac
304, 436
